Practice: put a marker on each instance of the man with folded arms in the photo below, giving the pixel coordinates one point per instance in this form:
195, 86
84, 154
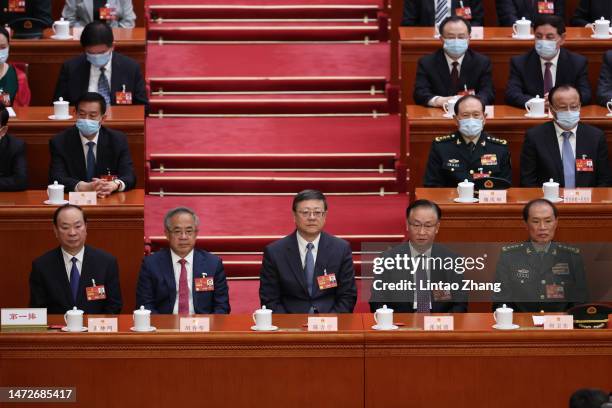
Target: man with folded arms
540, 274
13, 168
566, 150
548, 64
423, 223
89, 156
75, 274
308, 271
182, 279
604, 88
454, 69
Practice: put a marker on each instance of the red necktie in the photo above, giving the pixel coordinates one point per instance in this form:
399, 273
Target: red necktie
183, 303
547, 78
455, 76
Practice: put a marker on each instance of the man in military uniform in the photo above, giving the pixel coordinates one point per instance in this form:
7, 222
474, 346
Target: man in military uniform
539, 274
469, 153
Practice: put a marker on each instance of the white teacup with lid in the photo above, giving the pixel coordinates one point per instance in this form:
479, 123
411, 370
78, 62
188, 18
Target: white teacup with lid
522, 28
61, 29
384, 318
142, 319
74, 319
465, 190
535, 106
262, 318
503, 317
449, 107
55, 192
60, 109
551, 190
601, 28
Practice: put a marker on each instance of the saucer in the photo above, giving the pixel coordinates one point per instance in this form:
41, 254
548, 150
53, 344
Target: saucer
61, 37
447, 116
601, 37
392, 327
556, 200
458, 200
150, 329
52, 117
609, 114
271, 328
82, 329
520, 37
511, 327
529, 115
58, 203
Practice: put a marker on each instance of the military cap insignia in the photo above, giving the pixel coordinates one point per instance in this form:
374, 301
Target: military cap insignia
496, 140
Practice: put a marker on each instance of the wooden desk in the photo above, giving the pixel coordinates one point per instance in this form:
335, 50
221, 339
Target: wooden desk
508, 123
476, 366
115, 225
500, 47
504, 222
36, 129
230, 367
46, 57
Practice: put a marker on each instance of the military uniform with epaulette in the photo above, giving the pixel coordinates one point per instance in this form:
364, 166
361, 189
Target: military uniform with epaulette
551, 280
452, 160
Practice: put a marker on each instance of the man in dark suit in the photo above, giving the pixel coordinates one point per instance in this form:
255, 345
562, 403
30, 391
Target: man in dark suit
508, 11
571, 153
535, 73
82, 154
101, 69
182, 279
13, 167
75, 274
428, 13
423, 222
604, 88
454, 69
308, 271
40, 9
591, 10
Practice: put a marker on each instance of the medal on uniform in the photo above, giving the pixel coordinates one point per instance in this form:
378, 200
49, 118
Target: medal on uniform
554, 291
561, 268
488, 159
16, 6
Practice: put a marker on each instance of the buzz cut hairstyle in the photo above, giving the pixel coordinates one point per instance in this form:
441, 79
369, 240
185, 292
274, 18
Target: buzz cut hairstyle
180, 210
424, 204
305, 195
538, 201
66, 207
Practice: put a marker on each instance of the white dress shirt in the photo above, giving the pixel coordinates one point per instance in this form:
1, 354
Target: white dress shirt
302, 247
94, 75
553, 68
68, 261
177, 277
449, 62
413, 254
572, 138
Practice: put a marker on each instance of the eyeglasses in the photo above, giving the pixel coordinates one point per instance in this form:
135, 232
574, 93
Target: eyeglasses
308, 214
188, 232
418, 226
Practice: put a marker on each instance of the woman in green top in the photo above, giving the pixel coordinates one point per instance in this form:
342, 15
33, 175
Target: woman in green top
8, 75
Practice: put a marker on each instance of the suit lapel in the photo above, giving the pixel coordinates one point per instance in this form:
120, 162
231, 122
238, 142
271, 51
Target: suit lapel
295, 261
75, 153
168, 275
535, 67
199, 263
552, 144
323, 252
86, 276
563, 68
116, 79
59, 270
442, 67
583, 178
465, 71
101, 153
82, 81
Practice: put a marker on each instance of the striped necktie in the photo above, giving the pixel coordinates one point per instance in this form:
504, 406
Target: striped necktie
441, 11
104, 87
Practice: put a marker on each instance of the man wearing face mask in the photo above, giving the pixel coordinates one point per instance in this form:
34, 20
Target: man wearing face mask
101, 69
13, 168
538, 71
571, 153
454, 69
82, 154
469, 153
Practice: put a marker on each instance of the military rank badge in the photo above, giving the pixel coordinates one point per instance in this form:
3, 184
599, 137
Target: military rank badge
488, 160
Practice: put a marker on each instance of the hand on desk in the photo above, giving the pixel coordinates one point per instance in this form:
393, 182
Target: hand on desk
103, 188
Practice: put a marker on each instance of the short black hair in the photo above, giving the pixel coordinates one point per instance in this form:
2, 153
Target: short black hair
424, 204
454, 19
65, 207
4, 115
92, 97
467, 98
537, 201
562, 87
550, 19
4, 32
309, 195
96, 33
588, 398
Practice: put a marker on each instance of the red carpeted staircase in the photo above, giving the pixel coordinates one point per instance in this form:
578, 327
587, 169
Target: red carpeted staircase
251, 103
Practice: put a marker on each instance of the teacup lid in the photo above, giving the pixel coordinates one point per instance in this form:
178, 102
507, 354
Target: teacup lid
62, 21
56, 186
60, 101
264, 309
602, 20
523, 20
142, 311
536, 99
466, 183
74, 310
551, 182
384, 309
504, 308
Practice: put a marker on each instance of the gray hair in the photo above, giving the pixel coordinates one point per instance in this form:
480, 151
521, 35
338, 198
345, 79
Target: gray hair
180, 210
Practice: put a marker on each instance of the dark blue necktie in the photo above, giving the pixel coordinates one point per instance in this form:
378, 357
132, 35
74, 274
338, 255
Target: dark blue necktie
309, 267
74, 279
91, 161
104, 87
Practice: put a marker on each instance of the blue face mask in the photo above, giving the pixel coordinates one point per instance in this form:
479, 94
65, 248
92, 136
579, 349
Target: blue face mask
88, 127
456, 47
4, 53
546, 49
567, 119
98, 60
470, 127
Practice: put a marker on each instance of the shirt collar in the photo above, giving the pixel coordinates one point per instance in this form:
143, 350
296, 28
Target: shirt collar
553, 61
558, 129
176, 258
413, 250
450, 61
85, 140
302, 242
78, 256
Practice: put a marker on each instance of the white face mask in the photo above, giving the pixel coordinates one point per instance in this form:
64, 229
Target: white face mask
4, 54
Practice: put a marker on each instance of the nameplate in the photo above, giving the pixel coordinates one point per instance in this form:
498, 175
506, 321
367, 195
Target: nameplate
538, 320
102, 325
559, 322
492, 196
24, 317
82, 198
577, 196
477, 33
320, 323
76, 33
436, 323
489, 111
194, 324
